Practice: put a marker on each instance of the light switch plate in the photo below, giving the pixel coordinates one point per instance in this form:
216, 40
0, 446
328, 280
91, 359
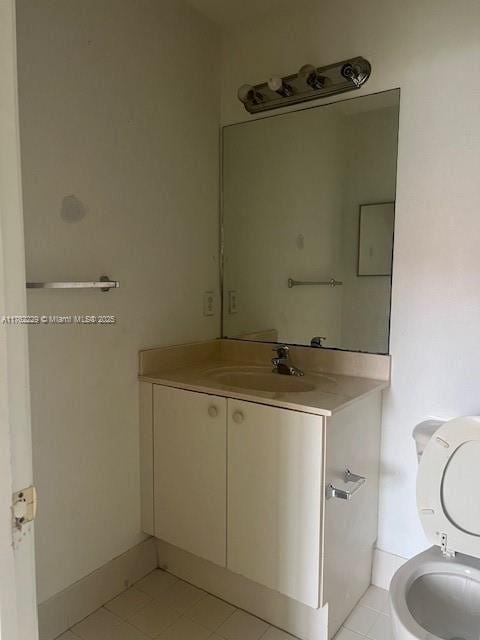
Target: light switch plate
209, 303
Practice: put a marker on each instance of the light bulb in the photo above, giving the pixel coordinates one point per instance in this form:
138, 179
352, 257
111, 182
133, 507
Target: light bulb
353, 73
275, 83
311, 76
247, 93
243, 92
306, 70
279, 86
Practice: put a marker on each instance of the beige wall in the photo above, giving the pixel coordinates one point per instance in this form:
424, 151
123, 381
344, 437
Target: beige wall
119, 106
429, 50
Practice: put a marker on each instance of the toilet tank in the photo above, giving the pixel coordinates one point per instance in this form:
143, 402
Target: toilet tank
423, 432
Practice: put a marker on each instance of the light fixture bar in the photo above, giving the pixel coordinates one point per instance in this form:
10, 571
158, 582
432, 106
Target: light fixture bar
310, 83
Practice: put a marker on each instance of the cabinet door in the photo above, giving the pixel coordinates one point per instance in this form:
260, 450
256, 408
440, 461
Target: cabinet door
275, 467
190, 461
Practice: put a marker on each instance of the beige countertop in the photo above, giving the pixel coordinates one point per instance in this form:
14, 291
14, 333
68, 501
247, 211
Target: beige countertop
326, 394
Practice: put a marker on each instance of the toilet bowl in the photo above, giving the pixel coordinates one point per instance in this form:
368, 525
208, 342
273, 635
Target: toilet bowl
433, 597
436, 594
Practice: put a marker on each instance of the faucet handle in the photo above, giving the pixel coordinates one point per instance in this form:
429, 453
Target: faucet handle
282, 351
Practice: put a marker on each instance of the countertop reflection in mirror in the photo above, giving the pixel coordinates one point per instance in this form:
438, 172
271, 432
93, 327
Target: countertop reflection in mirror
308, 197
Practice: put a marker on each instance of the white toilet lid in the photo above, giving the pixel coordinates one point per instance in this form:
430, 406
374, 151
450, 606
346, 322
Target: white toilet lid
448, 479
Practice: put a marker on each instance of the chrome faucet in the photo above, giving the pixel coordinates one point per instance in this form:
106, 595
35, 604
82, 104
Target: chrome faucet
281, 362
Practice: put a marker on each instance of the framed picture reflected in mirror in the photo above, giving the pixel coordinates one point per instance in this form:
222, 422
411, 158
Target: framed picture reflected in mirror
375, 239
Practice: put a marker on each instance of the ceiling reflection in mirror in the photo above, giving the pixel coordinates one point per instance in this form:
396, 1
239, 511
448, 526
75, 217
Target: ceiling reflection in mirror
308, 218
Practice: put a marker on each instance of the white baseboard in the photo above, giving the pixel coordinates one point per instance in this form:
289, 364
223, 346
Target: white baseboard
64, 609
384, 566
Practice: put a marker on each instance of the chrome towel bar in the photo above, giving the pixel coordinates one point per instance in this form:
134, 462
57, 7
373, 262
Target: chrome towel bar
104, 284
300, 283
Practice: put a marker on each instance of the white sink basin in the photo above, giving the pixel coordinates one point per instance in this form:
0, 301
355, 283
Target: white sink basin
259, 379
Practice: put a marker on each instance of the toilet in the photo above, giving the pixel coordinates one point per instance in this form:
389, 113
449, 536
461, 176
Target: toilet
436, 594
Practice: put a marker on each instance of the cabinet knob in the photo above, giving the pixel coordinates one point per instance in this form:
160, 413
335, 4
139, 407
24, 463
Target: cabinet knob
212, 411
238, 417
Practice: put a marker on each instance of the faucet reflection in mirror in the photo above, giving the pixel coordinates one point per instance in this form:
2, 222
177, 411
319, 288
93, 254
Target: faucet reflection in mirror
295, 188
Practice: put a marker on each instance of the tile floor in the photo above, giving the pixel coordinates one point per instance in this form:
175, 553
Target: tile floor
370, 619
162, 607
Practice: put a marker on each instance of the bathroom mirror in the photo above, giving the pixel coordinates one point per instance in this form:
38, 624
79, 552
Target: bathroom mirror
307, 225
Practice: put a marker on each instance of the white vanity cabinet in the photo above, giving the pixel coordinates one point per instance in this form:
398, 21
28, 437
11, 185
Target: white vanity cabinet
190, 471
247, 486
275, 463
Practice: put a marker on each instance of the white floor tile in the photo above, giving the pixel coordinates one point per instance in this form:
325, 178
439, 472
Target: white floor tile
128, 602
103, 625
154, 618
382, 629
185, 629
182, 596
375, 598
156, 583
347, 634
273, 633
361, 620
242, 626
153, 608
210, 612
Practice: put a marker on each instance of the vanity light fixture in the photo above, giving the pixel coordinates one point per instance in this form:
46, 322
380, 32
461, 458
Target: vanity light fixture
310, 83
